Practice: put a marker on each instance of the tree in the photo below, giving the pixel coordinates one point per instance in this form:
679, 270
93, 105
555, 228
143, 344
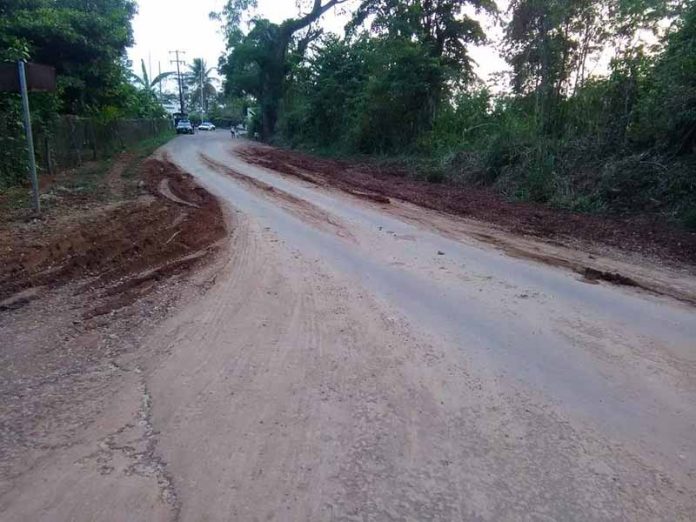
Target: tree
667, 108
144, 81
85, 40
540, 50
201, 83
442, 26
257, 63
548, 44
442, 29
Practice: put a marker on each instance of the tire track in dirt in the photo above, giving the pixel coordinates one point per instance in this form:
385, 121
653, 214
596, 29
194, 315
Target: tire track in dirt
299, 207
642, 235
253, 339
588, 274
592, 269
118, 249
250, 155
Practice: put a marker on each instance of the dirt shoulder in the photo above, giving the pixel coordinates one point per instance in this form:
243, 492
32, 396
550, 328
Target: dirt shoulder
635, 235
79, 288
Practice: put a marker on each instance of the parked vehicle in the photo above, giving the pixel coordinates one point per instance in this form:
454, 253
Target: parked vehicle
184, 127
206, 126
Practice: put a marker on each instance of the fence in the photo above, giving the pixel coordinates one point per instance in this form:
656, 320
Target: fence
70, 140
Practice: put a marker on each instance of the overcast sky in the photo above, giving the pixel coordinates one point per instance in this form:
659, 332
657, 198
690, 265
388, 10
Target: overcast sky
166, 25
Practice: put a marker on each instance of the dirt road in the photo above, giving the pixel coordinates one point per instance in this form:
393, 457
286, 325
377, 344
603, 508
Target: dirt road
357, 360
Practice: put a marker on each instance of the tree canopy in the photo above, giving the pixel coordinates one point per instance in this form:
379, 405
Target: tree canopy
85, 40
599, 112
257, 63
201, 83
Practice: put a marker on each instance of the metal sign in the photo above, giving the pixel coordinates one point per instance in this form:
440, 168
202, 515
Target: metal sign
39, 77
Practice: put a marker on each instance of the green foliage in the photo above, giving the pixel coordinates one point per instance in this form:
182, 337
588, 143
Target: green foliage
460, 124
354, 98
442, 27
396, 105
12, 149
257, 63
667, 109
144, 81
200, 81
400, 84
84, 40
229, 111
373, 93
689, 219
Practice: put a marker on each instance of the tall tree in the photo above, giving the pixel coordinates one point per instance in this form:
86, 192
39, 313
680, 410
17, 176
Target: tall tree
257, 63
441, 25
443, 30
540, 49
144, 81
548, 43
201, 83
667, 108
85, 40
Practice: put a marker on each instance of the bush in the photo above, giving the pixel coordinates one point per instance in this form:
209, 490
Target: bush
689, 219
623, 143
12, 144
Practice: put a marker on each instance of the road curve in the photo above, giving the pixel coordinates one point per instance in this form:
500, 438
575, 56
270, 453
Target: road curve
357, 361
616, 365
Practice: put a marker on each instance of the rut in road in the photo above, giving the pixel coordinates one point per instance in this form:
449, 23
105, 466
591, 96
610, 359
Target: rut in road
295, 384
317, 378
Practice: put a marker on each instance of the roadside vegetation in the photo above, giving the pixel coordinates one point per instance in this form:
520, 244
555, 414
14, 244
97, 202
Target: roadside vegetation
597, 113
86, 42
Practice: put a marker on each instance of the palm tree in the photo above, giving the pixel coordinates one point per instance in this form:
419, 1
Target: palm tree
201, 83
144, 80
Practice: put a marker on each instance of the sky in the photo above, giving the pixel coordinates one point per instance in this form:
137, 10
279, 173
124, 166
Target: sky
162, 26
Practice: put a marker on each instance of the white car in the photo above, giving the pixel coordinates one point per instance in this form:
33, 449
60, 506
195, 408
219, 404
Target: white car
206, 126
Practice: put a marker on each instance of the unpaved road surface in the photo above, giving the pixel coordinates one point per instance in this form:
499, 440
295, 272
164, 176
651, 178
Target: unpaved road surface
358, 361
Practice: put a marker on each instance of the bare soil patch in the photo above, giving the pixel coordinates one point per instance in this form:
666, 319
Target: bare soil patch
117, 247
82, 287
297, 206
643, 235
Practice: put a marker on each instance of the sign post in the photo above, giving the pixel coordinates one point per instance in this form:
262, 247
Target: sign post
21, 79
30, 136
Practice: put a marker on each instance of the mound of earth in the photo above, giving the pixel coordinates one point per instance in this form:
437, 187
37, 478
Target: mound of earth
119, 248
635, 234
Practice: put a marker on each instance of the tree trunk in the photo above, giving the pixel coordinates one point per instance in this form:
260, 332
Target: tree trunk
275, 75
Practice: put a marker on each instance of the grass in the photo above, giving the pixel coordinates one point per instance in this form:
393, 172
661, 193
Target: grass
143, 149
86, 180
15, 198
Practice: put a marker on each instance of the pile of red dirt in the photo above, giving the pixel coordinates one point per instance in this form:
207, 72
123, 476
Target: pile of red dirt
119, 249
645, 235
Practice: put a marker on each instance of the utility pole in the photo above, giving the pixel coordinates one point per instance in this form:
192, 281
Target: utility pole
178, 75
202, 99
159, 68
